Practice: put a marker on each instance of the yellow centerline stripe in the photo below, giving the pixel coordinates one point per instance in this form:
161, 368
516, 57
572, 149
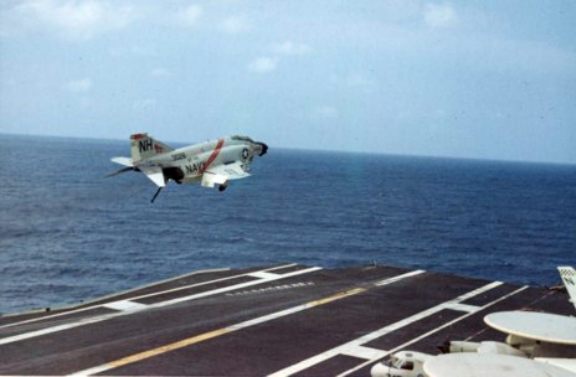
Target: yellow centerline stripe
336, 297
216, 333
169, 347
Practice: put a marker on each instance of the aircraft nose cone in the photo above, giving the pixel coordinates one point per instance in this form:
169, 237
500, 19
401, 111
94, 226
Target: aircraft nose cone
263, 148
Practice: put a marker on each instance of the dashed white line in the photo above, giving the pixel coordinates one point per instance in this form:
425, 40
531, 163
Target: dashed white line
91, 320
273, 288
43, 318
234, 287
239, 326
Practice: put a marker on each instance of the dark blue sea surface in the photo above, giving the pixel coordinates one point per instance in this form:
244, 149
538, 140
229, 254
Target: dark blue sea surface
68, 234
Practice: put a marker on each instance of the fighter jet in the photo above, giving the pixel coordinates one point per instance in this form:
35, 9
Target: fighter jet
212, 164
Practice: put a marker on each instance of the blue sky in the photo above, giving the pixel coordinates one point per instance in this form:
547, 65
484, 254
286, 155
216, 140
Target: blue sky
477, 79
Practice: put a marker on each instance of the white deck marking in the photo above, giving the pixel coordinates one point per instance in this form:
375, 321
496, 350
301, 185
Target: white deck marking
348, 348
363, 352
96, 319
462, 307
213, 334
125, 306
156, 283
147, 295
478, 291
227, 330
399, 277
263, 275
234, 287
273, 288
431, 332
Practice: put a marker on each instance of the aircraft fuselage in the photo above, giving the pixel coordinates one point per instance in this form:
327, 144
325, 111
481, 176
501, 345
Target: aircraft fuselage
188, 164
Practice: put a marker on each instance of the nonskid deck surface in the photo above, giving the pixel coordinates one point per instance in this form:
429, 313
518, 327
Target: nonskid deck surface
280, 320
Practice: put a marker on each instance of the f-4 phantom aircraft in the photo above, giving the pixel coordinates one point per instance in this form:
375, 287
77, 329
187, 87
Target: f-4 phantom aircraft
213, 163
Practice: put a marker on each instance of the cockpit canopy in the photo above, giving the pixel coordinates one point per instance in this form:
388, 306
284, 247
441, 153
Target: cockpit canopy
242, 138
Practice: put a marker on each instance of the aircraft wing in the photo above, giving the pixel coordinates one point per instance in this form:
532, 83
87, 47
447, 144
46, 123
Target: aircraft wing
219, 175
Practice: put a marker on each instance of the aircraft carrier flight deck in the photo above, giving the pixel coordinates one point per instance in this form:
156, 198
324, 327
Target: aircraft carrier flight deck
282, 320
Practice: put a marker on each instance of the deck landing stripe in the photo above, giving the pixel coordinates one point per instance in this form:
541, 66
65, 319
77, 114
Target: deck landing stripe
125, 306
213, 334
348, 347
39, 319
399, 277
363, 352
431, 332
226, 330
101, 318
263, 275
462, 307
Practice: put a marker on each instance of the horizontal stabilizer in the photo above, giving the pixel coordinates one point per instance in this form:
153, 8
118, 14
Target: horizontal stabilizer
126, 161
123, 170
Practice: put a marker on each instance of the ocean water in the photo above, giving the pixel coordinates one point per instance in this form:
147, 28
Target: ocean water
68, 234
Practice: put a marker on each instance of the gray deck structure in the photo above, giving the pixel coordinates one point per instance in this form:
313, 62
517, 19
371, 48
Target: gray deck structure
280, 320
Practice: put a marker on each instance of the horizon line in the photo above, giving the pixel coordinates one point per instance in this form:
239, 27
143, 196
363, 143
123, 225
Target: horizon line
484, 159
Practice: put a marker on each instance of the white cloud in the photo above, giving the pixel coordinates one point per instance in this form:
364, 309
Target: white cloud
291, 48
79, 86
73, 19
440, 15
325, 112
190, 15
263, 64
267, 64
234, 25
160, 72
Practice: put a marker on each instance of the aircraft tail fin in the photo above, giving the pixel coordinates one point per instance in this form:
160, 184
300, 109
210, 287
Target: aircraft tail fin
568, 275
143, 146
